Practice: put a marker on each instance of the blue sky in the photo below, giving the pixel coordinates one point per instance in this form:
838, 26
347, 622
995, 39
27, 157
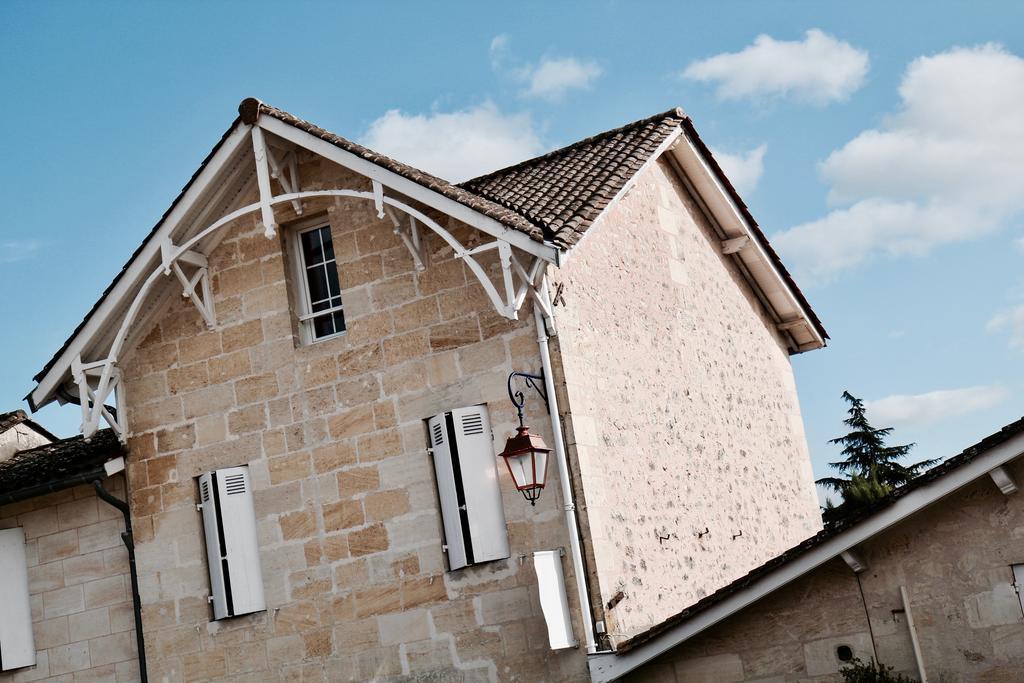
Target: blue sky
872, 149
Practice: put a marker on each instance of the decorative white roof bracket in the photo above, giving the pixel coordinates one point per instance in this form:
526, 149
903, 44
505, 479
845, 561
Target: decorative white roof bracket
98, 380
411, 238
378, 198
259, 148
96, 383
290, 185
173, 257
1002, 478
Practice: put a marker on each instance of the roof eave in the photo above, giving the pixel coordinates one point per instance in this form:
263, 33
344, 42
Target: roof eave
135, 271
793, 314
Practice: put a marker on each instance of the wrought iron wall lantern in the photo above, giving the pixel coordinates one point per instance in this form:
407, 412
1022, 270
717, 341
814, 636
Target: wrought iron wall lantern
526, 454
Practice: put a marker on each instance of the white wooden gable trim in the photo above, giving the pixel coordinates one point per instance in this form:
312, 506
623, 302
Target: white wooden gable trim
723, 212
97, 379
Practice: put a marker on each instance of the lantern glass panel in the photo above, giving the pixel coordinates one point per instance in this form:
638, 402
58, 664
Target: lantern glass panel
521, 468
542, 467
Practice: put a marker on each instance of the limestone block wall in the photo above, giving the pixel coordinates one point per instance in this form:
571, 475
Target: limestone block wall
681, 409
349, 525
954, 560
82, 616
18, 438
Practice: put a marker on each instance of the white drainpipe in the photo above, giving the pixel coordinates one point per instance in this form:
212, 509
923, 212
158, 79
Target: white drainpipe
563, 478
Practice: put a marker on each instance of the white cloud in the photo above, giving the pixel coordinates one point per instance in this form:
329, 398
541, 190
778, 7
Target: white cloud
17, 250
943, 168
499, 51
744, 170
551, 79
818, 69
455, 145
1011, 321
913, 410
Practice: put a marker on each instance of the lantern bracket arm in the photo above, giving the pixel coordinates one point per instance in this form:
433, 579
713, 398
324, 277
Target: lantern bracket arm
518, 398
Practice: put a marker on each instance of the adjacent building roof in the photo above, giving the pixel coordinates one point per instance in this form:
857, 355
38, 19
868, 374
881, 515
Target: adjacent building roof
553, 199
957, 471
57, 461
17, 417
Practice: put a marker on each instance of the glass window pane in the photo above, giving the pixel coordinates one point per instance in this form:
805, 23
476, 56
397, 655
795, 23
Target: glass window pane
312, 253
323, 326
332, 278
317, 278
339, 321
325, 237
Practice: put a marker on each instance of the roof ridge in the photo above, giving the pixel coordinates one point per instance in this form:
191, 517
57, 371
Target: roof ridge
676, 112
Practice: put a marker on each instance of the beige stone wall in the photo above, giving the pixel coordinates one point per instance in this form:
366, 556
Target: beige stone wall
18, 438
349, 526
683, 410
82, 616
954, 560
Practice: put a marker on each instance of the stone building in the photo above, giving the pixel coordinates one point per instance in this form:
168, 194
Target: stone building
927, 582
74, 587
18, 432
317, 345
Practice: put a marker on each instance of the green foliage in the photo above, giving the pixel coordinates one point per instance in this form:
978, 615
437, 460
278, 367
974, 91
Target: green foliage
872, 672
872, 468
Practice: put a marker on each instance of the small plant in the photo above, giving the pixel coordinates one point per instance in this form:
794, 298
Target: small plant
857, 671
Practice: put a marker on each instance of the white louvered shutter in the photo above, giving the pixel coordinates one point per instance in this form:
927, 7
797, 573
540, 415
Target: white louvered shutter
232, 549
467, 482
17, 648
447, 493
478, 464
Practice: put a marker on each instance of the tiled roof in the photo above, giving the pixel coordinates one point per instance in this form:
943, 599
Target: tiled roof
14, 417
58, 460
566, 190
553, 197
830, 531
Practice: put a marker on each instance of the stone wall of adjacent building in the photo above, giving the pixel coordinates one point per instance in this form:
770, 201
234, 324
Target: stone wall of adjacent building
18, 438
954, 560
349, 526
682, 410
82, 617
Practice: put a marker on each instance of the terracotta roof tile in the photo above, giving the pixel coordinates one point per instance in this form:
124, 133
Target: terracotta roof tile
564, 191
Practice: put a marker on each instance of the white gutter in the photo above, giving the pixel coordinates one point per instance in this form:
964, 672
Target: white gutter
563, 477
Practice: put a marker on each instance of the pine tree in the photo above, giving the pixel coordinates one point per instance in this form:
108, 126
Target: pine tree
872, 469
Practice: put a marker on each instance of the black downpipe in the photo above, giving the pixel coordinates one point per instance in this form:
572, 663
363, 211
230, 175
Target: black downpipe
129, 543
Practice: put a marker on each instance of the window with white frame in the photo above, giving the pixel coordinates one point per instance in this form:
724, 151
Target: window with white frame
321, 314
